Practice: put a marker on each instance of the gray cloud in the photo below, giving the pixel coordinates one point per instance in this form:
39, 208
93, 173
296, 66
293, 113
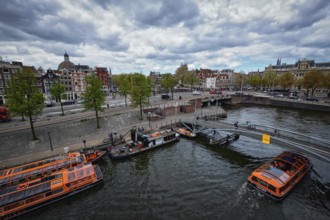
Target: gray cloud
146, 33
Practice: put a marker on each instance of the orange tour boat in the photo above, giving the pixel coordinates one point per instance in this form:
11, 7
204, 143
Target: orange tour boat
277, 177
22, 198
22, 173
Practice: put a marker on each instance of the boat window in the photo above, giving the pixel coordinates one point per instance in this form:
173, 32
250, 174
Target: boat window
80, 173
271, 187
54, 192
89, 171
71, 169
289, 159
71, 176
74, 161
12, 206
19, 169
79, 166
255, 179
263, 183
35, 198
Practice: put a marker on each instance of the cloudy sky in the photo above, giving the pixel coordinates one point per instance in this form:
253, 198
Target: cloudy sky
159, 35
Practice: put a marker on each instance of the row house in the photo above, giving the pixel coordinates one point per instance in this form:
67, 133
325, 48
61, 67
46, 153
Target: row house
156, 78
300, 68
214, 79
7, 72
49, 79
103, 74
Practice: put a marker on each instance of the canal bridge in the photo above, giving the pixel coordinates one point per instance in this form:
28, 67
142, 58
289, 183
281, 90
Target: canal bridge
285, 138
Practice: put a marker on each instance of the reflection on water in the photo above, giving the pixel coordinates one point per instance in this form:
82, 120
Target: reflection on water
195, 180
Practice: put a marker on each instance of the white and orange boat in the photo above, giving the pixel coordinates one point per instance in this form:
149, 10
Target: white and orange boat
186, 133
20, 199
279, 176
22, 173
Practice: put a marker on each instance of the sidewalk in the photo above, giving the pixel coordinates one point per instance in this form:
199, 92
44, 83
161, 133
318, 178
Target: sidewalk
93, 140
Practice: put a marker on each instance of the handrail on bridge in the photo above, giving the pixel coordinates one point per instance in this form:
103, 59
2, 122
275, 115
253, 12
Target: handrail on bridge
287, 133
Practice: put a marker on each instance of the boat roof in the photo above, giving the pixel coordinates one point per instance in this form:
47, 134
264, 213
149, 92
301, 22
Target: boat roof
13, 194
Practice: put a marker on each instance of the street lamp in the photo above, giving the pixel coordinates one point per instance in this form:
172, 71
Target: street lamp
84, 141
149, 113
50, 141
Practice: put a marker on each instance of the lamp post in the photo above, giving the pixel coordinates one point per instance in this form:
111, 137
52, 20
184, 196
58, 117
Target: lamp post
84, 141
149, 113
50, 142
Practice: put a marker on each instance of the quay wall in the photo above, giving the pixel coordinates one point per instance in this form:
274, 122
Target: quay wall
279, 102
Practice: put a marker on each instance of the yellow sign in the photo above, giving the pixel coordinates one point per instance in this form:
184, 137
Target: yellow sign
266, 139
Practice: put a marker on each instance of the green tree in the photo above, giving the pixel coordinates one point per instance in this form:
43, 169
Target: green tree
299, 83
254, 81
270, 79
123, 83
140, 91
191, 79
25, 98
57, 90
94, 96
313, 80
180, 74
168, 82
286, 80
239, 80
327, 83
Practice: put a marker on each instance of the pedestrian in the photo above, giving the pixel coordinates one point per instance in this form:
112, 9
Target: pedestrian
180, 97
236, 124
108, 105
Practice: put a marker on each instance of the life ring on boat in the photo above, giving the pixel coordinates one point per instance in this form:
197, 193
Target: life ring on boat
22, 186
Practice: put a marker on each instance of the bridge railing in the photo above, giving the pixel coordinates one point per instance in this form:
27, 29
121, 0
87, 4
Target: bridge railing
287, 133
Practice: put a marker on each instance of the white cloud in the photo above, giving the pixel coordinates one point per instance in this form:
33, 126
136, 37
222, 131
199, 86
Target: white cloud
158, 35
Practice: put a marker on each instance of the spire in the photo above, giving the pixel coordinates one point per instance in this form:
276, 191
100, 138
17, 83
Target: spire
278, 61
66, 56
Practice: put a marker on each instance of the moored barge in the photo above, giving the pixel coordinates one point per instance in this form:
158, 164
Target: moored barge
278, 177
23, 198
145, 141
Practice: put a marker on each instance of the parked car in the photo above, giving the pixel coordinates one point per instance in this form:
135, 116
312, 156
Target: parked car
293, 97
165, 96
216, 92
196, 92
48, 103
81, 101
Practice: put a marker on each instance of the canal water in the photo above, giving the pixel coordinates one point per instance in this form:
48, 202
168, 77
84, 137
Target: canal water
193, 180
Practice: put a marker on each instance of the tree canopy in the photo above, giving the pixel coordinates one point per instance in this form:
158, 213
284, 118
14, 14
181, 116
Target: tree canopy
140, 91
190, 78
180, 73
57, 90
25, 98
93, 96
270, 79
123, 83
168, 82
286, 80
254, 81
313, 80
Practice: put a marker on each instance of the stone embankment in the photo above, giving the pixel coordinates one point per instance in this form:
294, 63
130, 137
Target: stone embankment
279, 102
